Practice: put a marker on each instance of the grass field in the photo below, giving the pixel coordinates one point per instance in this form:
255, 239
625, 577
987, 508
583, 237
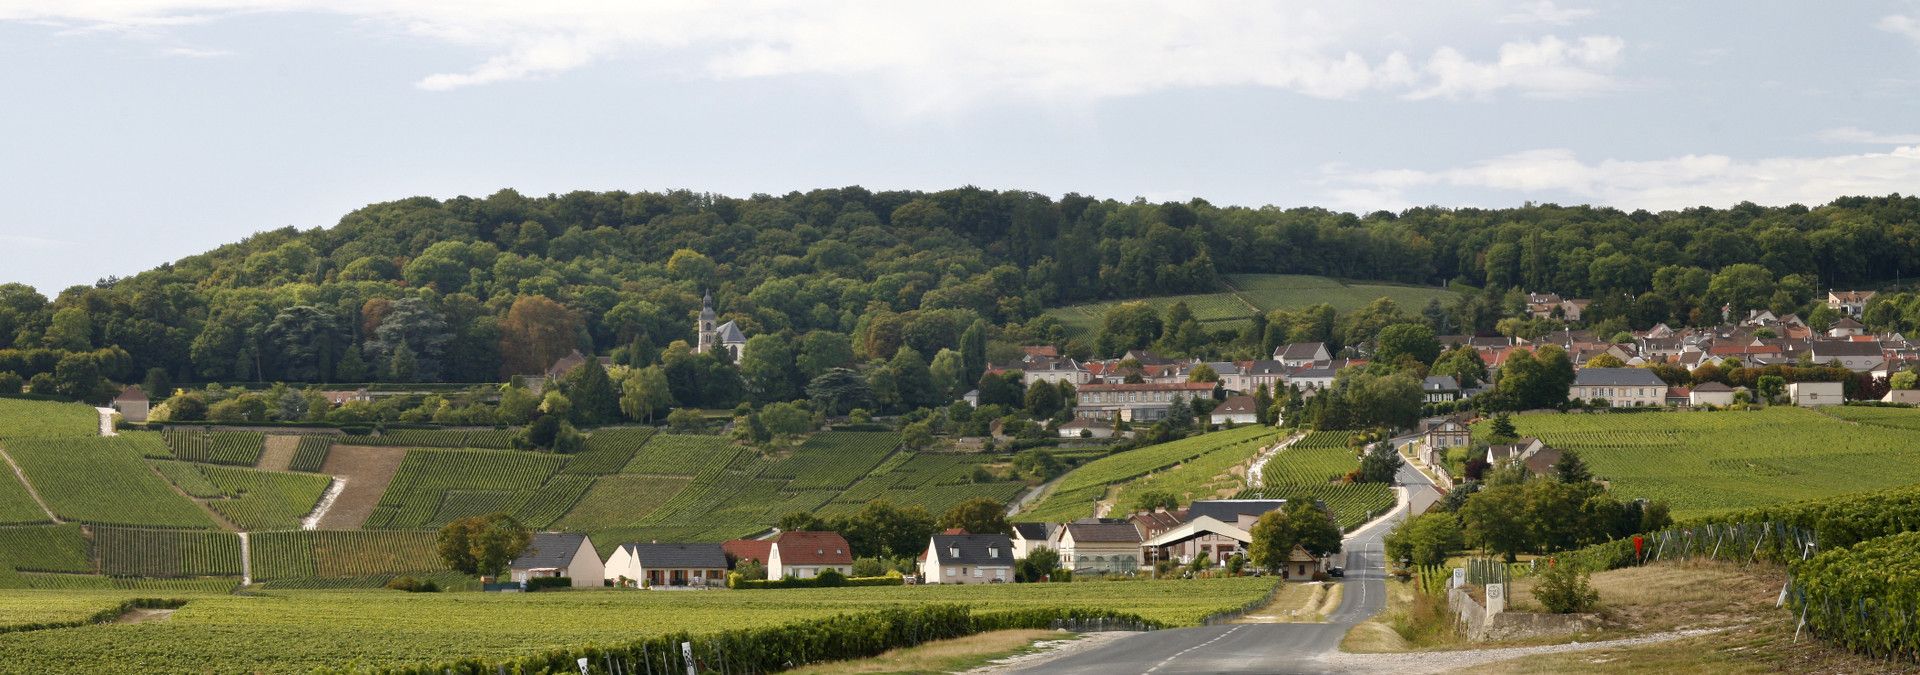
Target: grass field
20, 418
1076, 494
1247, 294
1313, 467
1703, 463
297, 631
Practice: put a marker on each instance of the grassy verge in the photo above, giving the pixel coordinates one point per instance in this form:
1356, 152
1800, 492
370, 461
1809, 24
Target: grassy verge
947, 656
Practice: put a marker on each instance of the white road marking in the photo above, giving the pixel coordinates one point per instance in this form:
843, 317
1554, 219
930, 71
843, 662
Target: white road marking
1184, 652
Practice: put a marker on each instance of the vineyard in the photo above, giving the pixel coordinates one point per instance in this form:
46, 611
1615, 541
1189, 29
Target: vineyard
1313, 468
103, 481
46, 548
329, 554
166, 553
680, 455
1249, 294
20, 418
299, 631
608, 451
236, 448
264, 500
496, 439
1703, 463
833, 460
311, 453
1075, 495
16, 505
1205, 477
434, 487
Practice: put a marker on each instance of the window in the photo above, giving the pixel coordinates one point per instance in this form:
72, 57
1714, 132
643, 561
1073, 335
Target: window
953, 551
949, 571
1000, 574
976, 572
993, 552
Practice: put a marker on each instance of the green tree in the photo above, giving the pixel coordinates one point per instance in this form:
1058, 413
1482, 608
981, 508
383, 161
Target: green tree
1502, 429
404, 366
1299, 523
644, 393
1463, 364
1742, 286
1571, 468
1149, 500
482, 545
973, 350
1408, 339
822, 351
838, 391
686, 421
949, 372
1039, 565
595, 401
768, 366
1381, 464
978, 515
1427, 539
914, 381
1495, 519
1203, 373
1043, 400
1564, 590
786, 419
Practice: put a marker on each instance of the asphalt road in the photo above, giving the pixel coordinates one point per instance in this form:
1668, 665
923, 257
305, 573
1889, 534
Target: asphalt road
1259, 648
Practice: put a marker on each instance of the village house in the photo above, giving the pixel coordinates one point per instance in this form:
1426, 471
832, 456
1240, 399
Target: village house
1302, 354
1846, 327
132, 404
1197, 536
1143, 402
1087, 427
743, 550
337, 398
1100, 547
668, 565
1448, 434
1440, 389
1235, 410
559, 554
1850, 303
1518, 450
1256, 374
1053, 371
1711, 393
804, 555
967, 559
1028, 537
1857, 356
1815, 394
1906, 396
1619, 387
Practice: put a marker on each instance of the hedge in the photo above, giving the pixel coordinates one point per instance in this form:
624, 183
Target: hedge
815, 582
107, 615
776, 648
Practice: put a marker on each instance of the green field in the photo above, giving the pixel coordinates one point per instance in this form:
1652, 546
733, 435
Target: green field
1247, 294
20, 418
1703, 463
298, 631
103, 481
1077, 493
1313, 468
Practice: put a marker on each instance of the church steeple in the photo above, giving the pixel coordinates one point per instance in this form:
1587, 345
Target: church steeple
704, 328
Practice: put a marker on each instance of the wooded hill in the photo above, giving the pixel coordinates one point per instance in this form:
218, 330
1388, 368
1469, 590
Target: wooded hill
625, 273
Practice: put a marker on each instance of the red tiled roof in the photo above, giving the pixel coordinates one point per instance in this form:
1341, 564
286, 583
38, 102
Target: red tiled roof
1042, 350
748, 549
1149, 386
813, 548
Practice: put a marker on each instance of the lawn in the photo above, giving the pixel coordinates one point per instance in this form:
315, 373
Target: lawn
1244, 295
1702, 463
298, 631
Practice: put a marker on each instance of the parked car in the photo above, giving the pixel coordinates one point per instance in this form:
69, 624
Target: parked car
1339, 572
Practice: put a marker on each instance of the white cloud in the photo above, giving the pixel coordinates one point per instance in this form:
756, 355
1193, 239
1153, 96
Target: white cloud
1547, 67
1544, 11
919, 56
1660, 184
1858, 135
1900, 24
196, 52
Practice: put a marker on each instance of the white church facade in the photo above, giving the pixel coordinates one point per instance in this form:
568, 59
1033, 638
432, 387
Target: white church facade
724, 336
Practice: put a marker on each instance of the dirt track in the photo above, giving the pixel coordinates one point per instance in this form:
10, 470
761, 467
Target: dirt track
366, 470
279, 453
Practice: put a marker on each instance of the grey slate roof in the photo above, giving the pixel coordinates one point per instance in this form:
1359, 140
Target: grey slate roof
973, 549
1710, 387
549, 549
1103, 532
730, 332
1617, 377
1439, 383
1301, 350
672, 556
1831, 348
1031, 531
1266, 368
1230, 510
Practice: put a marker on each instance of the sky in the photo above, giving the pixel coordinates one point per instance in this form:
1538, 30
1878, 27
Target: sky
134, 132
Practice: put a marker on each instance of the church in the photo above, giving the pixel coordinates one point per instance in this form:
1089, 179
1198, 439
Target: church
724, 336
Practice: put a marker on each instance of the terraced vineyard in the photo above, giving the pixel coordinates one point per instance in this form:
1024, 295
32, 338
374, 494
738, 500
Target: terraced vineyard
1702, 463
609, 451
497, 439
103, 481
681, 455
46, 548
1313, 468
331, 554
1075, 495
437, 486
264, 500
16, 505
21, 418
166, 553
1205, 477
833, 460
311, 453
237, 448
1247, 294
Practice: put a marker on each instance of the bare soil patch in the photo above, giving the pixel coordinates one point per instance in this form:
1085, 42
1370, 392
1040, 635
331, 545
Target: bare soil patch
366, 470
279, 453
145, 615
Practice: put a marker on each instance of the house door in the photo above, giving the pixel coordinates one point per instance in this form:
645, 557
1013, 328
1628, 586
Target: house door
653, 577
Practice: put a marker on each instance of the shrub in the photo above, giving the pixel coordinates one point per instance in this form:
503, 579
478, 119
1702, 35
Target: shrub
1564, 590
539, 583
412, 585
830, 579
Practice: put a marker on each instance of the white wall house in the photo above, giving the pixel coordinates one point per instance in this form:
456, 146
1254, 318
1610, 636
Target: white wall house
559, 554
1812, 394
967, 559
1620, 387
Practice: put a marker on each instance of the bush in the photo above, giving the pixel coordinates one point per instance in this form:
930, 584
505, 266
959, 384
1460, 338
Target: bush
818, 582
412, 585
539, 583
1564, 590
830, 579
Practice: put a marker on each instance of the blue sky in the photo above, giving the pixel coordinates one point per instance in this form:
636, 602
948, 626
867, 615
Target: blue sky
139, 131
